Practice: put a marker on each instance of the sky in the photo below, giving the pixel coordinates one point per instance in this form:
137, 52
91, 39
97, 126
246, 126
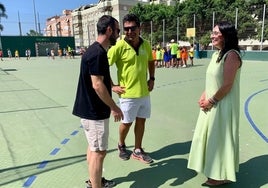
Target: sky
23, 11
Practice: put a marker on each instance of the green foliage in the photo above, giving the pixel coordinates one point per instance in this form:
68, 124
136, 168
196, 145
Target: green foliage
204, 41
199, 13
2, 15
154, 14
33, 33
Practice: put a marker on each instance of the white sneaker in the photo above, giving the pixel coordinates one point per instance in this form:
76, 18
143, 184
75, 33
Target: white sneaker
184, 66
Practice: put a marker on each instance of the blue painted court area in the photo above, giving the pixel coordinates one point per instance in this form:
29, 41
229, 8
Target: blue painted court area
43, 144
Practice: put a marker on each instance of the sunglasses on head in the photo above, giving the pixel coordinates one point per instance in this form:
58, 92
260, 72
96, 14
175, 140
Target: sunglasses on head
132, 28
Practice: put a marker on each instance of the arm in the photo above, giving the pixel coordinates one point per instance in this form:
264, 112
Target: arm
117, 88
232, 64
102, 92
151, 67
112, 57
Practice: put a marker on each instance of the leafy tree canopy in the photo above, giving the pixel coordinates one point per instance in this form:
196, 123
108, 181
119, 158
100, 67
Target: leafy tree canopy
33, 33
2, 15
201, 14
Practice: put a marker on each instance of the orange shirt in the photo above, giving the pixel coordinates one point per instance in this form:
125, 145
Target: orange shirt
184, 54
154, 54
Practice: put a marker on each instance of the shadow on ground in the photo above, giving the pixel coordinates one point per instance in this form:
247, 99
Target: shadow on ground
252, 174
9, 175
171, 150
160, 172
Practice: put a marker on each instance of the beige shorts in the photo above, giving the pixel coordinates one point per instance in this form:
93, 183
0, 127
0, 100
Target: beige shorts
97, 133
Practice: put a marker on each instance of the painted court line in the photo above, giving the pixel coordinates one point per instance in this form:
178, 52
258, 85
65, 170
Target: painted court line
65, 141
31, 109
29, 181
18, 90
255, 127
264, 80
44, 163
178, 82
55, 151
74, 133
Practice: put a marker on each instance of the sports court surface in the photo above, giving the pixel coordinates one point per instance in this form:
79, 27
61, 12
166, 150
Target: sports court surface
43, 145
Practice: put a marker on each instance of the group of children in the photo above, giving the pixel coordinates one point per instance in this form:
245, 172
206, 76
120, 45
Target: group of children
173, 56
16, 54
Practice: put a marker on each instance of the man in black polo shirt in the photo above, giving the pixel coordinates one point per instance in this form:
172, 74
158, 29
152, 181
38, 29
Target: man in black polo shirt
94, 103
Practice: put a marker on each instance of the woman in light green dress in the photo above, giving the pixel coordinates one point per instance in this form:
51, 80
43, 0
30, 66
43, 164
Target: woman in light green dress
215, 146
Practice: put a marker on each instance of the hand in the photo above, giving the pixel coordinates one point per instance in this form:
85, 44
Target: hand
205, 105
150, 84
118, 89
117, 113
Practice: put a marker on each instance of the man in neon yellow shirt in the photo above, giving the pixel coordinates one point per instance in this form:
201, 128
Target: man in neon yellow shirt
173, 49
135, 74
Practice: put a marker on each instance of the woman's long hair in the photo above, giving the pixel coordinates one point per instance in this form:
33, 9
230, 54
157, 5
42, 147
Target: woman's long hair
229, 34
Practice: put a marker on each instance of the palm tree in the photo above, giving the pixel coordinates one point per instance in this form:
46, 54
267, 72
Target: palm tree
2, 14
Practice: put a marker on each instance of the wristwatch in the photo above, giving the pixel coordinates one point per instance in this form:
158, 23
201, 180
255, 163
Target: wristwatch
152, 78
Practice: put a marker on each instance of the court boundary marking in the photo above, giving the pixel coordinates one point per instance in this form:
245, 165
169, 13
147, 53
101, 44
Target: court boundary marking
30, 180
254, 126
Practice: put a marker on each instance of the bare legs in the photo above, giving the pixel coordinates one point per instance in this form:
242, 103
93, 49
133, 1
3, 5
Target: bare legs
138, 130
95, 165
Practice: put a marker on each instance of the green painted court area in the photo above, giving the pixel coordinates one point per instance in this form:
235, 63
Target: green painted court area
43, 145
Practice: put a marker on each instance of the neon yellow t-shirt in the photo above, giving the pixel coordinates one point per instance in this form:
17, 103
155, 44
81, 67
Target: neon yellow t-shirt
132, 67
174, 48
178, 54
191, 52
159, 55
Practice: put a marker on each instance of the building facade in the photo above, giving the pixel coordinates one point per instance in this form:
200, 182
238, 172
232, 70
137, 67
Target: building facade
60, 26
81, 22
85, 18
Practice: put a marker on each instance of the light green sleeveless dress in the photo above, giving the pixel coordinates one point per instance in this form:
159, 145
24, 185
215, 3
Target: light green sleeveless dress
215, 145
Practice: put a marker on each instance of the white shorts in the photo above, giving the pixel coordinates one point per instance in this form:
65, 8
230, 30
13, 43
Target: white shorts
97, 133
136, 107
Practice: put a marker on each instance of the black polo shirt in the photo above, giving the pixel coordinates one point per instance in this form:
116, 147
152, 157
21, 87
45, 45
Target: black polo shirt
87, 103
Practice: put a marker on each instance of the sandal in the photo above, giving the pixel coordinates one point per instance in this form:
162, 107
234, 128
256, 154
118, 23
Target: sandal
214, 183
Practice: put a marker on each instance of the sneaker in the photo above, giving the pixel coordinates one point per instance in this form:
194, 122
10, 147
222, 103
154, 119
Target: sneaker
105, 183
123, 153
184, 66
140, 155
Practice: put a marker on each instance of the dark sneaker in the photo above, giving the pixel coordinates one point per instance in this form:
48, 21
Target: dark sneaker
140, 155
105, 183
123, 153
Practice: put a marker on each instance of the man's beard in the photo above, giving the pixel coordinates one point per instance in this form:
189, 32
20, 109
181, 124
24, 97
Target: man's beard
112, 40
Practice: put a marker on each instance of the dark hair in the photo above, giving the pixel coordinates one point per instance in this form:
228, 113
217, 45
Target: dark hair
131, 18
104, 22
229, 34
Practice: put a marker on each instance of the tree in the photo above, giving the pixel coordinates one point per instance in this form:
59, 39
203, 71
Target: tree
248, 18
222, 10
155, 13
2, 15
33, 33
256, 10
